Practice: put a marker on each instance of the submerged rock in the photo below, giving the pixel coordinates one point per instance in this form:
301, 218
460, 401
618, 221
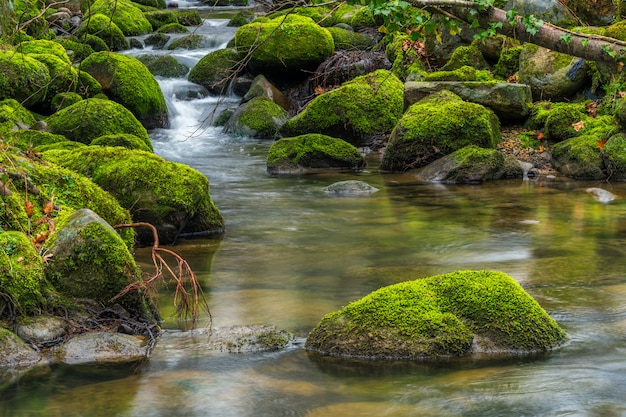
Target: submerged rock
350, 187
102, 347
454, 314
602, 196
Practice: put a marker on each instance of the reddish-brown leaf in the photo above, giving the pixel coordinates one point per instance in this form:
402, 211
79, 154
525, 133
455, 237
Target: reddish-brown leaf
28, 206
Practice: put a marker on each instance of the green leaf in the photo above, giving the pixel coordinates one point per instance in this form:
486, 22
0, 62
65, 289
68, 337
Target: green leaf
585, 42
566, 38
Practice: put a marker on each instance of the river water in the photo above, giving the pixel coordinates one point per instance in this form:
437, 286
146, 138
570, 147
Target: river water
292, 253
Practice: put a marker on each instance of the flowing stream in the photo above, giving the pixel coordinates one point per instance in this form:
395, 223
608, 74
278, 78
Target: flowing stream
292, 253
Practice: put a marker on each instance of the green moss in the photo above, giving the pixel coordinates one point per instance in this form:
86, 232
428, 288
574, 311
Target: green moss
617, 30
462, 56
192, 41
348, 39
439, 125
101, 26
24, 139
124, 14
94, 117
368, 105
215, 70
579, 157
312, 151
364, 18
63, 77
14, 113
164, 65
438, 317
62, 100
262, 117
242, 17
22, 78
126, 80
559, 123
122, 139
188, 17
614, 154
508, 64
42, 46
464, 73
173, 28
21, 274
159, 18
291, 43
64, 145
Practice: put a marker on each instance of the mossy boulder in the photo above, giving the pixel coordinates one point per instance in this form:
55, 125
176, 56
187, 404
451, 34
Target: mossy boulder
508, 62
349, 39
25, 139
77, 51
366, 106
157, 41
471, 165
215, 70
261, 87
579, 157
160, 18
62, 100
466, 56
43, 46
94, 117
442, 316
14, 352
436, 126
90, 261
124, 14
13, 114
191, 41
22, 280
173, 28
464, 73
100, 26
551, 75
63, 78
164, 66
22, 78
312, 152
190, 17
289, 44
173, 197
259, 118
127, 81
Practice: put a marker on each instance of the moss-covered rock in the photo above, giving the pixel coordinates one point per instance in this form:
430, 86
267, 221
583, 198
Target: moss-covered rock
43, 46
12, 114
14, 352
579, 157
21, 275
63, 78
91, 261
366, 106
94, 117
125, 140
173, 28
508, 62
466, 56
126, 80
560, 122
291, 44
100, 26
310, 153
442, 316
617, 30
614, 156
551, 75
436, 126
22, 78
349, 39
471, 165
190, 17
215, 70
159, 18
191, 41
164, 65
168, 195
25, 139
125, 14
259, 118
157, 41
464, 73
62, 100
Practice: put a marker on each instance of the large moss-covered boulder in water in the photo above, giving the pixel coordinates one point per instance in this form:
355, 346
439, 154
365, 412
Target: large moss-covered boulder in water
127, 81
454, 314
216, 70
22, 78
90, 260
123, 13
310, 153
89, 119
173, 197
22, 282
291, 44
436, 126
366, 106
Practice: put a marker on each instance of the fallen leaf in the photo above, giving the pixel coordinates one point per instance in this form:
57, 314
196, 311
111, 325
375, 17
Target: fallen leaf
601, 144
578, 126
540, 136
28, 207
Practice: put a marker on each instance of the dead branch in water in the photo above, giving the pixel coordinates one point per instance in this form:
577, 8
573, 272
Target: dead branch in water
188, 296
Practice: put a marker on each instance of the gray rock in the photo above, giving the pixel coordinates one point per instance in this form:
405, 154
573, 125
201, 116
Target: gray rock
551, 11
14, 352
601, 195
261, 87
350, 187
507, 100
102, 347
41, 330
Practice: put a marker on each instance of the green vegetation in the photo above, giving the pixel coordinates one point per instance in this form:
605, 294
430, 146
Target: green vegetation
437, 317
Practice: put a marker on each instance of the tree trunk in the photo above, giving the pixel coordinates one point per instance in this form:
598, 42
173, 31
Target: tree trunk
590, 47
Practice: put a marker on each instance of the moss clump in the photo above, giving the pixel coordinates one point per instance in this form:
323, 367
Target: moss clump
160, 18
192, 41
188, 17
94, 117
617, 30
24, 139
349, 39
42, 46
259, 117
463, 56
173, 28
312, 151
122, 139
464, 73
508, 63
614, 155
439, 125
368, 105
63, 78
560, 121
126, 80
215, 70
21, 274
293, 43
124, 14
12, 113
579, 157
438, 317
62, 100
101, 26
22, 78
